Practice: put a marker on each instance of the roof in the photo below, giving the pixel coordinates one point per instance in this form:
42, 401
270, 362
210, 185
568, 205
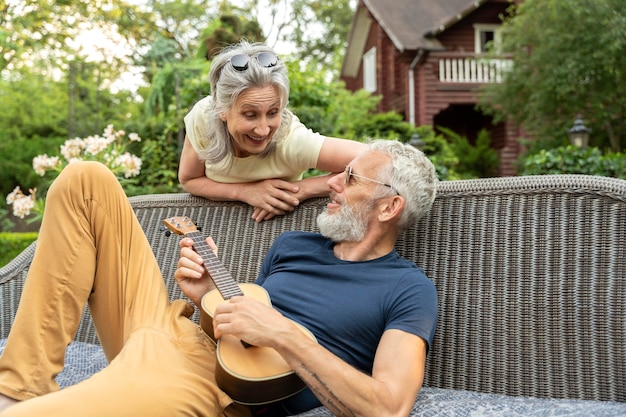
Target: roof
410, 24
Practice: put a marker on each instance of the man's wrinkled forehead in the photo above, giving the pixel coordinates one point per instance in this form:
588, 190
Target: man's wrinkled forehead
371, 159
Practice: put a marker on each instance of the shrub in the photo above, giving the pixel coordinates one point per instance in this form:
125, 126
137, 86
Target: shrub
474, 161
109, 149
388, 125
573, 160
12, 244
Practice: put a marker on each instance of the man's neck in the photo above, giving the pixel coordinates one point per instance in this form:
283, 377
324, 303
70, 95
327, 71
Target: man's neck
364, 250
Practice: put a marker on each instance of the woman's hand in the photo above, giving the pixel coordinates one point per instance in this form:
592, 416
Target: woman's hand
270, 198
310, 187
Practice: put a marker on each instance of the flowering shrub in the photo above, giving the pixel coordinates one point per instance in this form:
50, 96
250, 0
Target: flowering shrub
110, 149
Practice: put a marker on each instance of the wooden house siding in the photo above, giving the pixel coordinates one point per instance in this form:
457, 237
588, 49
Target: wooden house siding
445, 78
460, 37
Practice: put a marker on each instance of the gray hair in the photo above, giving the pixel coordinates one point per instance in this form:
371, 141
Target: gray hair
227, 84
411, 174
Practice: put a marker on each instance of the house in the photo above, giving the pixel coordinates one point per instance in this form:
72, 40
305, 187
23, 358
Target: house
426, 60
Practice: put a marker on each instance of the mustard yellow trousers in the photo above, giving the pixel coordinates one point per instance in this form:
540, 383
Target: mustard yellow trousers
92, 249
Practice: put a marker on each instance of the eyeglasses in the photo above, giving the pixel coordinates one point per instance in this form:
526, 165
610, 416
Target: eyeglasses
350, 174
265, 59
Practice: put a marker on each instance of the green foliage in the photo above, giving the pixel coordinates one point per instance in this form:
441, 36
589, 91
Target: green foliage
163, 90
388, 125
159, 169
474, 161
391, 126
568, 58
46, 35
181, 21
438, 150
41, 111
90, 108
161, 53
326, 106
350, 109
573, 160
6, 223
112, 149
17, 168
32, 105
332, 17
12, 244
228, 28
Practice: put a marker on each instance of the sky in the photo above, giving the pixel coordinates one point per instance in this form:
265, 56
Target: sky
263, 14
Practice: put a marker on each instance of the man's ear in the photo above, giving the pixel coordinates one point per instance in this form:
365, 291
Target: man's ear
391, 208
223, 116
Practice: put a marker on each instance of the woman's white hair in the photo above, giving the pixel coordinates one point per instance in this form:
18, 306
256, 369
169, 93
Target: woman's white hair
227, 84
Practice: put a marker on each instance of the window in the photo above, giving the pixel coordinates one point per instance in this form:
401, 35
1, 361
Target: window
369, 70
486, 36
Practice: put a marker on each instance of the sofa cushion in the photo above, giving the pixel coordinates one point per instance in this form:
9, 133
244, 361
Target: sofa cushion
84, 359
81, 361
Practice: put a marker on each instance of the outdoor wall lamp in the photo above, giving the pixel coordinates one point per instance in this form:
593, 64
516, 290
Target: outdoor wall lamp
579, 133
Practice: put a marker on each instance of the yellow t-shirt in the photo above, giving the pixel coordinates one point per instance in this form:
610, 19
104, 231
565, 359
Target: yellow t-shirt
297, 152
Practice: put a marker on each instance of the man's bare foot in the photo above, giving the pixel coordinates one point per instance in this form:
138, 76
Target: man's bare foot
6, 402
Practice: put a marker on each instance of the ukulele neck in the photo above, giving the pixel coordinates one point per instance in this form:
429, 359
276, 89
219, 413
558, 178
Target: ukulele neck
223, 280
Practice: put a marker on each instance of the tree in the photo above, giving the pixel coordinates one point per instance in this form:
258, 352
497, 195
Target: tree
320, 30
48, 30
327, 107
568, 59
32, 105
317, 29
181, 21
231, 26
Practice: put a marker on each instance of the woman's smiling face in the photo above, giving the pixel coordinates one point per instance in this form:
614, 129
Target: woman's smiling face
254, 119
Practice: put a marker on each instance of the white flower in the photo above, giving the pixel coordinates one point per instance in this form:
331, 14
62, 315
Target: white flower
96, 144
109, 131
106, 149
130, 164
134, 137
15, 194
43, 163
22, 204
72, 148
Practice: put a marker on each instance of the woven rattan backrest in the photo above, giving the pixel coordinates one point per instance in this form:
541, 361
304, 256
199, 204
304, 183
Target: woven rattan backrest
531, 276
530, 271
241, 241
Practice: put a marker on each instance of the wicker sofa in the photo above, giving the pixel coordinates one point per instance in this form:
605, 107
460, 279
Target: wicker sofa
531, 276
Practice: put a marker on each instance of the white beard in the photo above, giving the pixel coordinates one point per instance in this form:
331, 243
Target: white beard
349, 224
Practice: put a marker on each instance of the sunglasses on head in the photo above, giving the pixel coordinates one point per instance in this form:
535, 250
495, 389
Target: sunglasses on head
265, 59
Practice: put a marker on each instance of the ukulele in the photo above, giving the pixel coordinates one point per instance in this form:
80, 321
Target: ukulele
250, 375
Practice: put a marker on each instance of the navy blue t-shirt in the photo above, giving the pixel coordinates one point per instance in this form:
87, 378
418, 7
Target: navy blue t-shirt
346, 305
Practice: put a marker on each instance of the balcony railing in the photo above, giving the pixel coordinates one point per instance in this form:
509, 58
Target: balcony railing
472, 69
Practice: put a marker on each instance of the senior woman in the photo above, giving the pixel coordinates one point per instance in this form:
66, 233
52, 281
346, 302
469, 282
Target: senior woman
243, 144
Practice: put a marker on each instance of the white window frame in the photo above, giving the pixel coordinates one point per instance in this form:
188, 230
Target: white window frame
479, 29
369, 71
